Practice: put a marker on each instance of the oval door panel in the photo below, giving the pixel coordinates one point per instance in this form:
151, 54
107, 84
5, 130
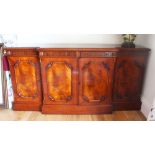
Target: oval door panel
59, 76
26, 82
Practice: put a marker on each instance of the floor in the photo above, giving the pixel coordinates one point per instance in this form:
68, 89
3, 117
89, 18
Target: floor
9, 115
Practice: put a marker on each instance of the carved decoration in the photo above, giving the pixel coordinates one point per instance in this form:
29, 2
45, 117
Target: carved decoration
138, 64
103, 98
49, 65
59, 53
85, 98
106, 66
86, 65
121, 64
21, 52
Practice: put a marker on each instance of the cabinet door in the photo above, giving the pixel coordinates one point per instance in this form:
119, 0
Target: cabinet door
95, 80
59, 80
25, 75
128, 78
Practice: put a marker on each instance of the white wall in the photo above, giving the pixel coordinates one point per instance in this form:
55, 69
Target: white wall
47, 39
149, 84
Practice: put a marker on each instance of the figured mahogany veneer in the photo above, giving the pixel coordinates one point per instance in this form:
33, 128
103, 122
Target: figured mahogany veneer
95, 81
59, 80
77, 80
26, 78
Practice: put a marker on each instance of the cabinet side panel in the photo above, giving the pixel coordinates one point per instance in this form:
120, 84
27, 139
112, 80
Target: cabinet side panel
129, 73
26, 79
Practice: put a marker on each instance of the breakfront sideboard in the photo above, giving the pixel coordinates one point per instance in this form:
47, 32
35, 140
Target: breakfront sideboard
87, 80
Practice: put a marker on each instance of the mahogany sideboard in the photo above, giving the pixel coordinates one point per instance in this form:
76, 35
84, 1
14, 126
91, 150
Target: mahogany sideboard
92, 80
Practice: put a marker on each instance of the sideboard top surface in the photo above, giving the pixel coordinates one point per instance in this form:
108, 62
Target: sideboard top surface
84, 47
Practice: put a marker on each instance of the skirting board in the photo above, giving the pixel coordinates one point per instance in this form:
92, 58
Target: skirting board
146, 106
